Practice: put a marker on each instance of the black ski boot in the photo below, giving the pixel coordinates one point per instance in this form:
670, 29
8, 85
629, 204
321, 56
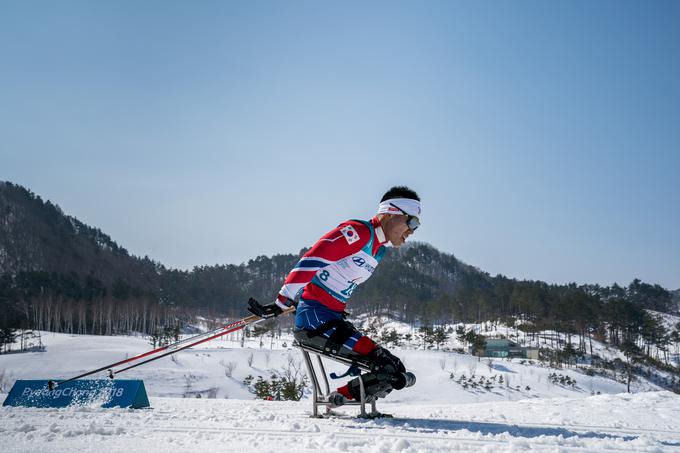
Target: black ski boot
374, 387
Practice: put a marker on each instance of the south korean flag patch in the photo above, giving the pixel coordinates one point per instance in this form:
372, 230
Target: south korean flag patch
350, 234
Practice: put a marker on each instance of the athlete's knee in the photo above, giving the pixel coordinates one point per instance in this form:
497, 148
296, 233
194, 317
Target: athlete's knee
389, 368
384, 362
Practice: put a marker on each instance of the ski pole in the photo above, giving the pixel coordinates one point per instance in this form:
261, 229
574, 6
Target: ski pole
172, 347
253, 319
238, 325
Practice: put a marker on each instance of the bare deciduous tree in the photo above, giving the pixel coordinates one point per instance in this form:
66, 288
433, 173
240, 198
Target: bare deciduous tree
229, 367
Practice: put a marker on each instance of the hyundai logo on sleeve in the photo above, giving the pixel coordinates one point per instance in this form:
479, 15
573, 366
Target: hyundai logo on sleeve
359, 261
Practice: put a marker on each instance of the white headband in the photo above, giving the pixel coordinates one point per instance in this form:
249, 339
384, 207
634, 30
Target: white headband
411, 207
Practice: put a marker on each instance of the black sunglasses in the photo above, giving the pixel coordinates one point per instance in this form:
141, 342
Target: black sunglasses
411, 221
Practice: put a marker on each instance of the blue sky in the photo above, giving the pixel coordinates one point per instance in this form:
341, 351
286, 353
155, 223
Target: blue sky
543, 137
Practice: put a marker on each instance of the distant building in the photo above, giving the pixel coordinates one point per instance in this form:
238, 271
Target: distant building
502, 348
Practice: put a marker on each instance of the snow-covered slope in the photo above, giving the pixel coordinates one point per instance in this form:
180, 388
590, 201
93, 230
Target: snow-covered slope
527, 410
458, 378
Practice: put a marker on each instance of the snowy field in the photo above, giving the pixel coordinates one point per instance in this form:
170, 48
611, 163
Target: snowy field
639, 422
526, 410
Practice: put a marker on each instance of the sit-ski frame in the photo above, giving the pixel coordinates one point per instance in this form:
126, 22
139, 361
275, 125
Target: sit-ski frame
320, 398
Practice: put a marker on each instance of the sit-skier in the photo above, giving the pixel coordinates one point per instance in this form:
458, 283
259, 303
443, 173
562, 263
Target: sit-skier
324, 279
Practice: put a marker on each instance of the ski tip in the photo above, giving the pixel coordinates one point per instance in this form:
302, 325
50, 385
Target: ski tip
51, 385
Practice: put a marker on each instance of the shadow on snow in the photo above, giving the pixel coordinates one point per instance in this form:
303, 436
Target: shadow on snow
438, 425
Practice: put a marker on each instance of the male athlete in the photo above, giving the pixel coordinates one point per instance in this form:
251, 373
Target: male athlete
325, 278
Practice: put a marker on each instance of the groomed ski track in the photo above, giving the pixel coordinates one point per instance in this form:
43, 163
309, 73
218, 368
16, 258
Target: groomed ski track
175, 424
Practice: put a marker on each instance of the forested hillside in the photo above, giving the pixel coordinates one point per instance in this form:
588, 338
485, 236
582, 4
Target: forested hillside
58, 274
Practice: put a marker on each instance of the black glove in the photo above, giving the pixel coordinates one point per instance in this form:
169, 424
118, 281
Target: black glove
263, 311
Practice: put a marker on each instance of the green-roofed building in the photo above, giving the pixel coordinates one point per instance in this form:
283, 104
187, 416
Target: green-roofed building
502, 348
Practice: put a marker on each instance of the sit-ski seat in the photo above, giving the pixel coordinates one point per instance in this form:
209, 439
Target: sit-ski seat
320, 396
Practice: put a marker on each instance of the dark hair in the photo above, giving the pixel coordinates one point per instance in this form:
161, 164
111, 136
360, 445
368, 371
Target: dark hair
400, 192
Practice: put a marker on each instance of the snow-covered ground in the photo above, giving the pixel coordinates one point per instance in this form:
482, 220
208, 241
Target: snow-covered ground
527, 410
639, 422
